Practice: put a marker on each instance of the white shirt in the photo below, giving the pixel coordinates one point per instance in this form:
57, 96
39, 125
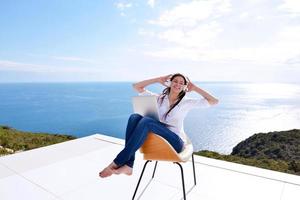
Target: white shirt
176, 116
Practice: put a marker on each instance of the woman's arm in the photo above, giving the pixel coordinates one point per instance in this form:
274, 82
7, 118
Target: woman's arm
140, 86
211, 100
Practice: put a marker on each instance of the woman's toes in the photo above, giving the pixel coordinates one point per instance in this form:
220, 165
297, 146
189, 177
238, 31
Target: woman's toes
106, 172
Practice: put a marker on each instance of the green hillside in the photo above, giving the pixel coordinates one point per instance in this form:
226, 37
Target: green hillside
12, 140
279, 151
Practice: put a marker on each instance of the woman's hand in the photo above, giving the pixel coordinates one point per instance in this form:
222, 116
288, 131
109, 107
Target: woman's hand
163, 79
191, 86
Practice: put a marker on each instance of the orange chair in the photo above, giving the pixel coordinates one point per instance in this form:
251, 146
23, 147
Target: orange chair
156, 148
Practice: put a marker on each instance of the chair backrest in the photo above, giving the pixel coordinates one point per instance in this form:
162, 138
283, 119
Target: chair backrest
156, 147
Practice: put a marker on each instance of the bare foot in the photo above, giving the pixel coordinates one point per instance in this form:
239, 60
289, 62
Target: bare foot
123, 170
108, 171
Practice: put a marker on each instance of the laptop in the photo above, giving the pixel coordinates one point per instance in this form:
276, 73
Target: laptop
146, 106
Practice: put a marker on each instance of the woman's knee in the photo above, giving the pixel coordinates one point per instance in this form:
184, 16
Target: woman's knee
146, 121
135, 116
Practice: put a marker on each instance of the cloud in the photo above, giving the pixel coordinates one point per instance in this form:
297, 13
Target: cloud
147, 33
294, 60
189, 28
199, 36
291, 6
212, 31
244, 15
123, 6
14, 66
184, 24
283, 48
287, 44
176, 53
190, 14
151, 3
6, 65
70, 58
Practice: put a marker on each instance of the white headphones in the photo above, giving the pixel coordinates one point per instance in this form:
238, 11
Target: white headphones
168, 83
184, 88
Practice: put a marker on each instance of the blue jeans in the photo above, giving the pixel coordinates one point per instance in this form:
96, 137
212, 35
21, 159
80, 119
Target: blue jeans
137, 130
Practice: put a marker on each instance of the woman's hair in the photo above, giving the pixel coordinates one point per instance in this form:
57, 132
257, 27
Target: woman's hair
167, 90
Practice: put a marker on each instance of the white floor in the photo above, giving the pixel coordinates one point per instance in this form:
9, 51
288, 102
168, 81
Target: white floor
69, 171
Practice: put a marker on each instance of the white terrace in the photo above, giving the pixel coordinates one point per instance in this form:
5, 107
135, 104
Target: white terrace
69, 171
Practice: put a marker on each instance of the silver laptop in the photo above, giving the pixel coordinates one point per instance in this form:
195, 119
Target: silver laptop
146, 106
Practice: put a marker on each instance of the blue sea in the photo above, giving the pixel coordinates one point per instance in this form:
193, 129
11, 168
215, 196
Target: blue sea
82, 109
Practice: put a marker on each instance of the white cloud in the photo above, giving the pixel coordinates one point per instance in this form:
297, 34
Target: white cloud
184, 24
190, 14
70, 58
294, 60
6, 65
148, 33
176, 53
151, 3
12, 65
259, 18
244, 15
196, 30
291, 6
287, 45
123, 6
282, 49
200, 36
185, 27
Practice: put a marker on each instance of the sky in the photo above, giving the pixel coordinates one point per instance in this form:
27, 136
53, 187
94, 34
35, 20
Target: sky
130, 40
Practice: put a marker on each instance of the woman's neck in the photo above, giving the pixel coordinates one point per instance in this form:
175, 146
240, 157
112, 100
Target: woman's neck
173, 96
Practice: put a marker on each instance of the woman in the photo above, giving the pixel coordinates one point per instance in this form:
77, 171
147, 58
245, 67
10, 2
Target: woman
173, 107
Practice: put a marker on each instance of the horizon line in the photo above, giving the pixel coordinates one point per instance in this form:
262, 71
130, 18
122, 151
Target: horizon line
112, 81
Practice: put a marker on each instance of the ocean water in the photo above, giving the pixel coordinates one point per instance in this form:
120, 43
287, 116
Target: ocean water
83, 109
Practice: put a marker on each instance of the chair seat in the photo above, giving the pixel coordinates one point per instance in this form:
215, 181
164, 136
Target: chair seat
156, 147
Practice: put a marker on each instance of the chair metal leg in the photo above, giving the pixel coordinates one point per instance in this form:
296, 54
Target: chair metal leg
194, 169
154, 169
182, 178
140, 178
